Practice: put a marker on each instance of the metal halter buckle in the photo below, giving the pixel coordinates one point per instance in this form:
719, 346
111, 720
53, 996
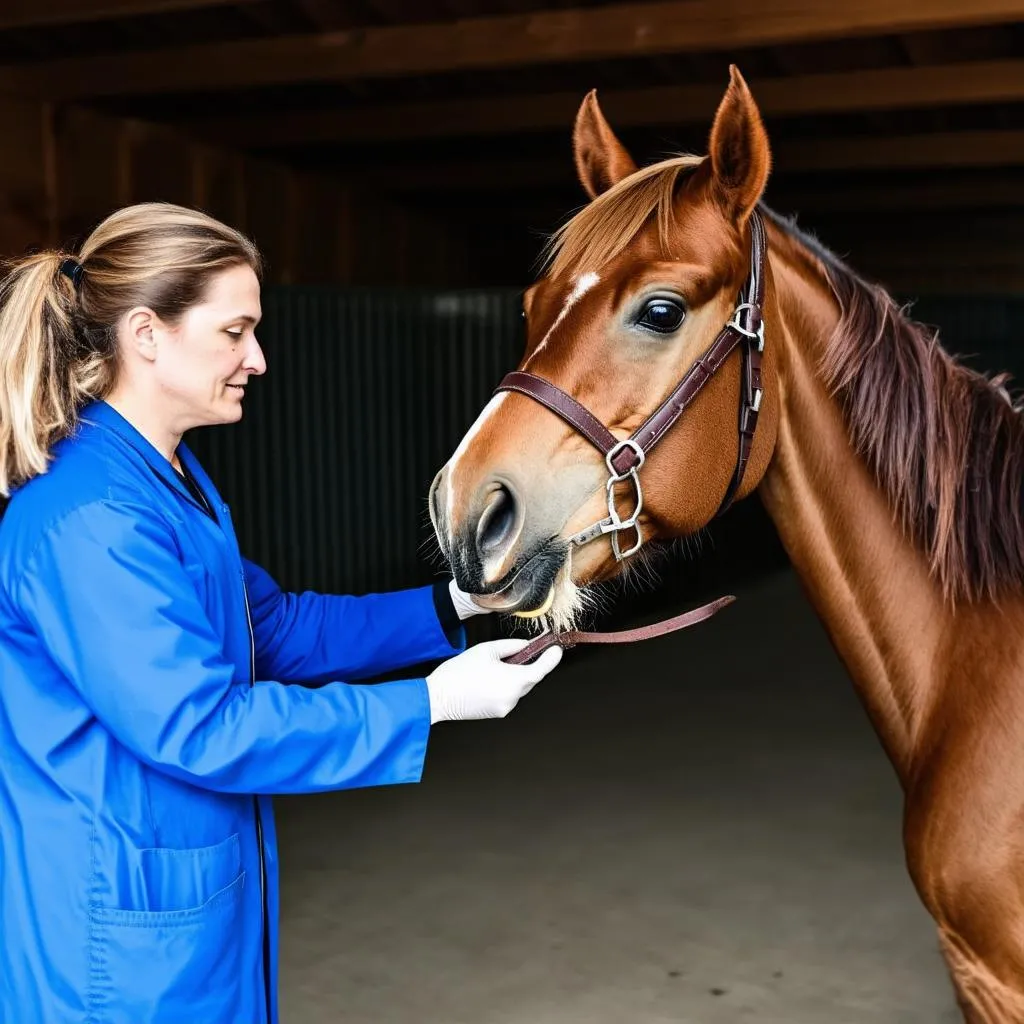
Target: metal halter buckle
614, 523
629, 523
630, 445
736, 325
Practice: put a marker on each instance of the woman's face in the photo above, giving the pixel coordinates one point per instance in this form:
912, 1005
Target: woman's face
203, 364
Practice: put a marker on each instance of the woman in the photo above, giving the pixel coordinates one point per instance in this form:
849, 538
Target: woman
145, 711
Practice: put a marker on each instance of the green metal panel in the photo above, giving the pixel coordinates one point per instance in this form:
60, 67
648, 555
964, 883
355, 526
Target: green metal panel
366, 395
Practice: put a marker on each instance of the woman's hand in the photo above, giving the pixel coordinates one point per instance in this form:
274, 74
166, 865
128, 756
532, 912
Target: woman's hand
464, 603
478, 684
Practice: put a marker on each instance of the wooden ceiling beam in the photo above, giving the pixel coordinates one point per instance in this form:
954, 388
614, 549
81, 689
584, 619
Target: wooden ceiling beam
933, 151
326, 15
981, 190
37, 14
551, 36
880, 89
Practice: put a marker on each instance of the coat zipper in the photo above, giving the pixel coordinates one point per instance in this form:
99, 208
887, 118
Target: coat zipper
259, 824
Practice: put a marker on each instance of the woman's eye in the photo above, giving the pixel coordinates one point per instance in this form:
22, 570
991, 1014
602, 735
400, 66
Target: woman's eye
236, 334
662, 315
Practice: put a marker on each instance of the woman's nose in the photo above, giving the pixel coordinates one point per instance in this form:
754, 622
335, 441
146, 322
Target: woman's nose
255, 361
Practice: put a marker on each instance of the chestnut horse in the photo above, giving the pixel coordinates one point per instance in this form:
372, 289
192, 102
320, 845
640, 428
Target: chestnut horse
892, 473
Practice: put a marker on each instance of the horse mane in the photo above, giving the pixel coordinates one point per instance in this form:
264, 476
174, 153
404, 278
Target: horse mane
944, 443
606, 225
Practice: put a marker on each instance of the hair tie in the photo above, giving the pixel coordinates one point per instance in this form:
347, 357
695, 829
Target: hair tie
73, 270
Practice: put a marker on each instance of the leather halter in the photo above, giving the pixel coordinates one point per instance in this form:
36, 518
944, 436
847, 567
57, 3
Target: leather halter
574, 638
625, 458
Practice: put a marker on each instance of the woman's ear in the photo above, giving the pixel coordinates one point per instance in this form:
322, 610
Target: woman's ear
140, 323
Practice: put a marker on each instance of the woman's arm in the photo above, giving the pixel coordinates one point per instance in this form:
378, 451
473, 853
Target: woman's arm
106, 590
313, 637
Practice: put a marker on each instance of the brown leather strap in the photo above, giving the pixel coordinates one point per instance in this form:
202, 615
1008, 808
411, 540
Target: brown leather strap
667, 414
750, 396
654, 427
562, 404
626, 636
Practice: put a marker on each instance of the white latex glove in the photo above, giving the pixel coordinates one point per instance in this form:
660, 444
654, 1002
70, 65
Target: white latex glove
464, 603
478, 684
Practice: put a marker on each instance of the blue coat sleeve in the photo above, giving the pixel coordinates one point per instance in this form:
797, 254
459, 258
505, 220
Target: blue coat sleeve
107, 591
315, 637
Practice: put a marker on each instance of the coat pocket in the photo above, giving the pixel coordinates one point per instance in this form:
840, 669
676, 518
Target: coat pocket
167, 880
174, 955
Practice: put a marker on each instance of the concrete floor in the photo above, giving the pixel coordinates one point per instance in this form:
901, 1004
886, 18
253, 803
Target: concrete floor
699, 829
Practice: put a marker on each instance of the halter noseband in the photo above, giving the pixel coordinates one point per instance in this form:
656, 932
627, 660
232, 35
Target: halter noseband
625, 458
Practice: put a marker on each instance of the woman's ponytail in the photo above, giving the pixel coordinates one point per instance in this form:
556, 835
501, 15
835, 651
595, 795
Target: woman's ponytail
36, 333
47, 373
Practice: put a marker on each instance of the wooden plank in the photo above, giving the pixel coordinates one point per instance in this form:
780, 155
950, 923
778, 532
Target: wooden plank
980, 191
325, 15
996, 148
813, 203
993, 148
996, 281
126, 137
883, 89
552, 36
23, 200
90, 151
51, 187
33, 13
199, 177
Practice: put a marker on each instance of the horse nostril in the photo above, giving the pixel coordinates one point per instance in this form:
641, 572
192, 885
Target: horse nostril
434, 499
497, 522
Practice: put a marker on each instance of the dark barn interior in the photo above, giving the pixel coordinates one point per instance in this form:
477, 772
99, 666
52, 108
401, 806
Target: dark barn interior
702, 828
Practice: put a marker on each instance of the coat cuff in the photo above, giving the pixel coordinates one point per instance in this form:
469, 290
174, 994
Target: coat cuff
447, 615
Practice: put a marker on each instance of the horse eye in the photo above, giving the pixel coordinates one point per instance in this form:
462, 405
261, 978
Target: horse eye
662, 315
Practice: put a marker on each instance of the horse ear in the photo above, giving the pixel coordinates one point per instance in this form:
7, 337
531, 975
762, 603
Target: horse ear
739, 151
601, 160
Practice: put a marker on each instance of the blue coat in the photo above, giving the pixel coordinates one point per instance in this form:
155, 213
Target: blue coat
138, 871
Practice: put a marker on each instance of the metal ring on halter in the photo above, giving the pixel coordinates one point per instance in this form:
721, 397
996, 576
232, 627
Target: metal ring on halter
613, 512
620, 555
613, 523
622, 446
758, 334
620, 525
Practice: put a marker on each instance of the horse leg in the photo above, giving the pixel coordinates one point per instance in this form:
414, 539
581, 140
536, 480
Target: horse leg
982, 997
965, 853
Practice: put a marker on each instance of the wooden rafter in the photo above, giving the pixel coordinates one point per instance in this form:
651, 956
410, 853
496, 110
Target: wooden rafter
553, 36
880, 89
939, 150
43, 13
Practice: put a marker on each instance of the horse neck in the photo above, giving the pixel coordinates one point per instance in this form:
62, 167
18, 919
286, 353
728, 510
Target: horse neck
870, 586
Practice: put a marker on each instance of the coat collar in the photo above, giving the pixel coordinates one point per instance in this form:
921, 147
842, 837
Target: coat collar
105, 416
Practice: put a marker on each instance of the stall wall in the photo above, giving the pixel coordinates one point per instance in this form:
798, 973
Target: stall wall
65, 168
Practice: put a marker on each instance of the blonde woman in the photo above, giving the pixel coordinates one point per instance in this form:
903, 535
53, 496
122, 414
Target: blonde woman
148, 697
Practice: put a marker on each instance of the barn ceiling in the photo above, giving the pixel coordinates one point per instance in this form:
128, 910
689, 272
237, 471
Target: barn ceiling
876, 108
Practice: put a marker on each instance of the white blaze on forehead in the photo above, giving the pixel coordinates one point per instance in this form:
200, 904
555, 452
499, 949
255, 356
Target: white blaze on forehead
583, 285
489, 409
